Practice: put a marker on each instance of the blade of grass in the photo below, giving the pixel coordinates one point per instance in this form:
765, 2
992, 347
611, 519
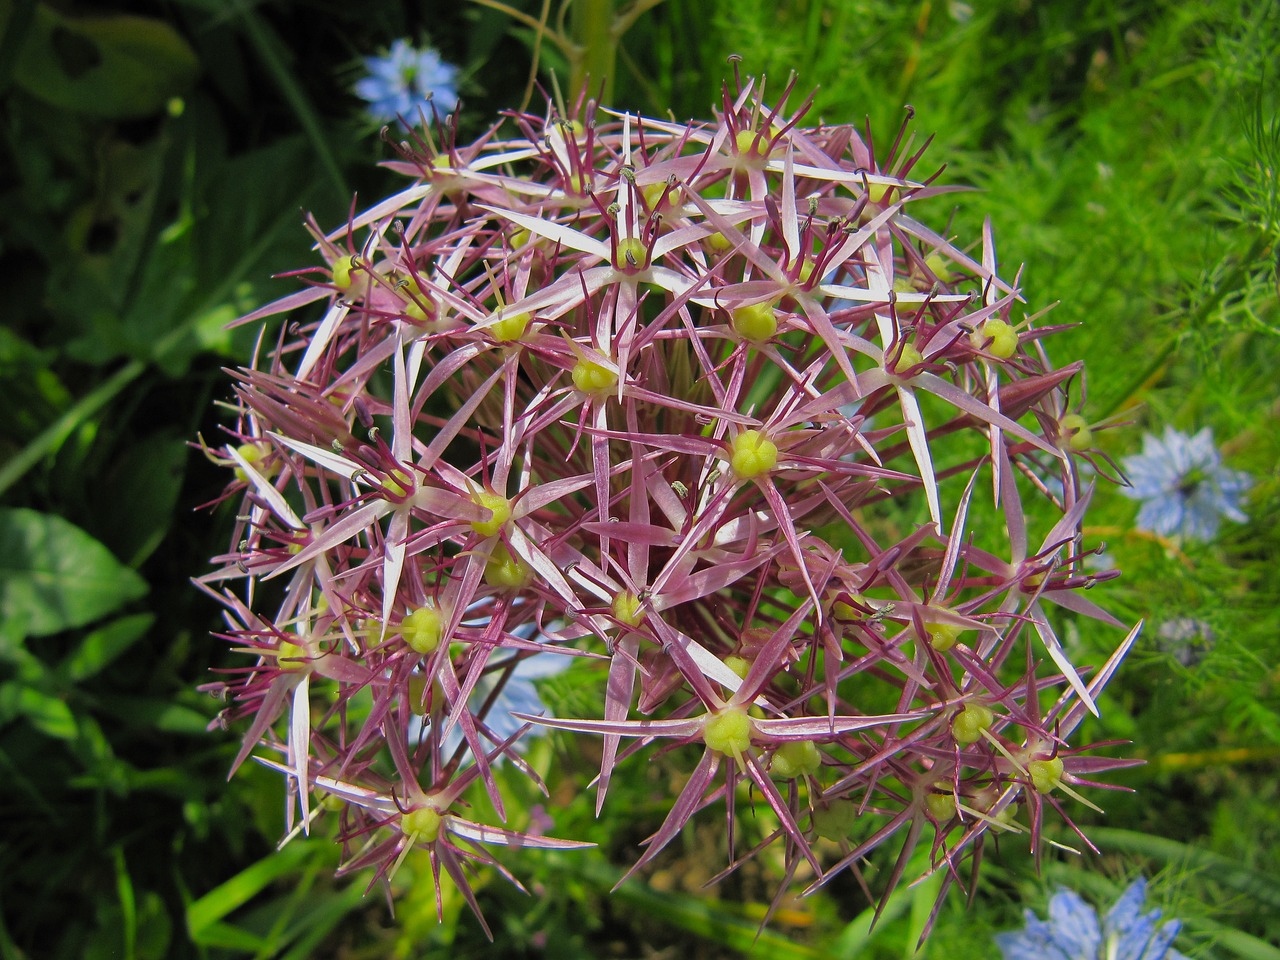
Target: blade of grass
205, 915
1227, 871
270, 49
49, 440
53, 436
853, 940
128, 905
715, 920
1235, 941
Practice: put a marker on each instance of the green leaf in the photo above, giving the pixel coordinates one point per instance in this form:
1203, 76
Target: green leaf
113, 67
47, 713
157, 713
725, 923
206, 916
103, 645
54, 576
1235, 941
137, 495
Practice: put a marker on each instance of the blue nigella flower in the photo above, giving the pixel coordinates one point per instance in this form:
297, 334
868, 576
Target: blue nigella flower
1184, 488
400, 82
1073, 931
1186, 638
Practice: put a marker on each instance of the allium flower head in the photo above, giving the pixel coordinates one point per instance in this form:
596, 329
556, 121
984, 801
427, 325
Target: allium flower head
1184, 488
404, 79
1073, 931
652, 394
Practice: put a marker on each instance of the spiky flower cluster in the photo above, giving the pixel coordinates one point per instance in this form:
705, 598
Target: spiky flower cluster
705, 407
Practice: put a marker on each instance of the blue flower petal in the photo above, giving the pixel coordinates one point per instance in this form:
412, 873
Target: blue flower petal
1072, 931
1128, 908
1184, 489
1075, 925
1022, 945
1160, 946
405, 81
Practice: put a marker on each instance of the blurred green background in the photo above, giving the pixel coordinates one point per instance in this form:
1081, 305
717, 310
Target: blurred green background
156, 162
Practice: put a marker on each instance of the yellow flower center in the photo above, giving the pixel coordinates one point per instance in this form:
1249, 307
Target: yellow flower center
398, 483
939, 265
799, 758
744, 141
752, 454
421, 825
627, 608
878, 193
971, 723
579, 183
943, 636
421, 690
942, 806
755, 322
902, 358
593, 378
718, 242
728, 732
1045, 774
254, 453
631, 255
655, 193
342, 268
421, 629
1074, 432
996, 337
506, 572
835, 821
500, 508
509, 329
291, 656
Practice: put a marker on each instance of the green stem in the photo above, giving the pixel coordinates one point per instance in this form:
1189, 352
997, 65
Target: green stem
53, 436
592, 28
273, 54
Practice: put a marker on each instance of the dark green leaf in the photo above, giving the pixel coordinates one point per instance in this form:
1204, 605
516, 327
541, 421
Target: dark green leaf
166, 715
205, 916
136, 497
54, 576
104, 66
103, 645
48, 714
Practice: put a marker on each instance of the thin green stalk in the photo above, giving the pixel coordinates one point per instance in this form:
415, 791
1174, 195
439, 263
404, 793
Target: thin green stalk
592, 27
268, 47
1226, 286
1223, 869
53, 436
